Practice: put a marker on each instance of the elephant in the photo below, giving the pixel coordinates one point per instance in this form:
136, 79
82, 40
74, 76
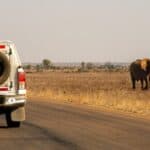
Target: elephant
140, 70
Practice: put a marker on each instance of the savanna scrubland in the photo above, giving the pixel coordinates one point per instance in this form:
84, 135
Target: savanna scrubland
110, 89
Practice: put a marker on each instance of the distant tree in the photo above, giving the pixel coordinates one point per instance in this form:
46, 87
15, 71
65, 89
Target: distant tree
83, 66
46, 64
38, 67
109, 65
89, 65
28, 66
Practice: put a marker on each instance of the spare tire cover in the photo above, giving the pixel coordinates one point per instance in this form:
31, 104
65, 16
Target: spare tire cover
4, 68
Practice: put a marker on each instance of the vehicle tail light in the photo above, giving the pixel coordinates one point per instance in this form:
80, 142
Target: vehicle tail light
21, 79
3, 88
2, 46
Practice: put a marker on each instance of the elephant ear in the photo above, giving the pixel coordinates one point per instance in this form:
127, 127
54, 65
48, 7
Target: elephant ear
144, 63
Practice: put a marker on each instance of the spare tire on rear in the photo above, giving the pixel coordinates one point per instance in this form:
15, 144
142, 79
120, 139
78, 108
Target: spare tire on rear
4, 68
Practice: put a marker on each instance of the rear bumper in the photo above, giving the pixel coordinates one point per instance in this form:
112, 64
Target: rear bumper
12, 101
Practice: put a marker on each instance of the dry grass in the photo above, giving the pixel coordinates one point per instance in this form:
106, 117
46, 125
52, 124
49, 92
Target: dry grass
109, 89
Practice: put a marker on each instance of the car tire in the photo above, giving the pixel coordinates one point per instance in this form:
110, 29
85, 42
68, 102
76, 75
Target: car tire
10, 123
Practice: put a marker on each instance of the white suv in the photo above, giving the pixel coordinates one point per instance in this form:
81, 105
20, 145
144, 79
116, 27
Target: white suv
12, 85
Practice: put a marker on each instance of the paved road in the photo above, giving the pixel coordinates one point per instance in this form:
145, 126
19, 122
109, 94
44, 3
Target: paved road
63, 127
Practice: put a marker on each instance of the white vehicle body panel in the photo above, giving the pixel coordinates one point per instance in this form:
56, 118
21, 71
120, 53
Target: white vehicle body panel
12, 82
15, 63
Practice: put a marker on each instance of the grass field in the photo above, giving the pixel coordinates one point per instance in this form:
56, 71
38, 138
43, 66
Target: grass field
109, 89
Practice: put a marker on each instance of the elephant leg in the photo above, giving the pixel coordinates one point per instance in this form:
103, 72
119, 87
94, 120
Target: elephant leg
133, 83
146, 83
142, 84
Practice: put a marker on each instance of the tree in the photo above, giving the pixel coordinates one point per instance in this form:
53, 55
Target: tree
46, 64
89, 65
82, 66
38, 67
28, 66
109, 65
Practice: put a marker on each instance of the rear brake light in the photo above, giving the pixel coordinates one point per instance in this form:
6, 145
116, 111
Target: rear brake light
2, 46
21, 79
3, 88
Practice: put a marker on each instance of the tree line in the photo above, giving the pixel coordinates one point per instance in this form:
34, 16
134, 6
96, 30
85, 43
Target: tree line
47, 65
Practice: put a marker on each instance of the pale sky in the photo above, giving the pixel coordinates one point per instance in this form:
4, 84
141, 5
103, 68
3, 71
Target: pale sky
77, 30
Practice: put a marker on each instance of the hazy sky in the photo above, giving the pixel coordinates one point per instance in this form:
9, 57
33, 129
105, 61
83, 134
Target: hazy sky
77, 30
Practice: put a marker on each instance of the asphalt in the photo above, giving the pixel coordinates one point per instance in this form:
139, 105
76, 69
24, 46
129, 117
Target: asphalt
52, 126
